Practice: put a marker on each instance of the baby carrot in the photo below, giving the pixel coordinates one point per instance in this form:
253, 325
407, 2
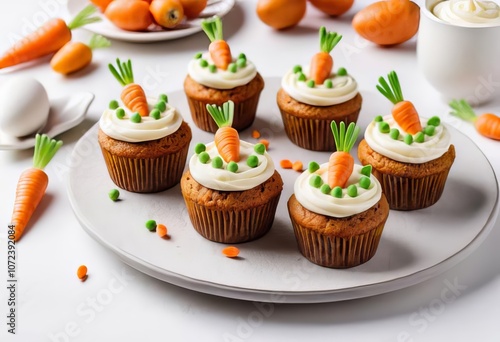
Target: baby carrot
132, 95
74, 56
255, 134
167, 13
161, 230
226, 138
81, 273
286, 164
219, 49
403, 112
298, 165
47, 39
33, 183
102, 4
322, 62
487, 124
341, 163
231, 251
129, 15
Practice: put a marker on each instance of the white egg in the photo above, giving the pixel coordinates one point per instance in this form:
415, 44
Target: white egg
24, 106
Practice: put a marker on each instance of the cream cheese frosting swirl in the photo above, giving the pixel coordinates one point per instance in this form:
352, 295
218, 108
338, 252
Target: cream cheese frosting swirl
220, 79
468, 12
148, 129
343, 89
431, 148
325, 204
224, 180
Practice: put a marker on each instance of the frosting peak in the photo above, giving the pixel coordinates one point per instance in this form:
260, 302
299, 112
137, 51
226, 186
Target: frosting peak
468, 12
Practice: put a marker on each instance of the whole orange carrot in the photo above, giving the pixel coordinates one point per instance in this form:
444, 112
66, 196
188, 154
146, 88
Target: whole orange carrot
33, 183
487, 124
322, 62
132, 95
219, 49
47, 39
403, 112
341, 163
226, 138
74, 56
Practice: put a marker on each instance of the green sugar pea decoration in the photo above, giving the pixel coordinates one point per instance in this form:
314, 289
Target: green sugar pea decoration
364, 182
204, 157
366, 170
203, 63
232, 67
136, 118
394, 133
384, 127
315, 181
114, 194
430, 130
408, 139
155, 114
329, 84
378, 118
325, 188
120, 113
198, 55
161, 106
259, 148
352, 190
297, 69
217, 163
434, 121
336, 192
150, 225
199, 148
232, 166
212, 68
419, 137
163, 97
302, 77
342, 72
253, 161
113, 104
313, 167
311, 83
241, 63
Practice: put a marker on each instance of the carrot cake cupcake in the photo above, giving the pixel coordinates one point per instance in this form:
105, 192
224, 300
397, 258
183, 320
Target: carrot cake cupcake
312, 96
338, 210
231, 189
410, 155
216, 76
144, 141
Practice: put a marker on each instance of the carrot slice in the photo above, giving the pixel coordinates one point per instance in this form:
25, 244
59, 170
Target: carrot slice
286, 164
82, 272
231, 251
298, 166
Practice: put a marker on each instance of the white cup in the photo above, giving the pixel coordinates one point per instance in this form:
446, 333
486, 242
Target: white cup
459, 62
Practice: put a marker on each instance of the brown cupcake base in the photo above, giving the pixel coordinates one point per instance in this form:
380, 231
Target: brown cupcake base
146, 167
245, 98
309, 126
231, 216
338, 242
408, 186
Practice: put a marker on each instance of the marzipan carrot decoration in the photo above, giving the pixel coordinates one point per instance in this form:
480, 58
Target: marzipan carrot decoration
47, 39
74, 56
322, 62
341, 163
33, 183
403, 112
226, 138
219, 49
487, 124
133, 95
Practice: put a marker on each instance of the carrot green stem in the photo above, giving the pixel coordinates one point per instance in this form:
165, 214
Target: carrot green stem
344, 140
84, 17
123, 73
392, 90
223, 116
328, 40
463, 110
97, 42
213, 28
45, 149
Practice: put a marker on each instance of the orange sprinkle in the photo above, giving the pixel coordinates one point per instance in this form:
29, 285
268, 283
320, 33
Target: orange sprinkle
265, 142
255, 134
286, 164
161, 230
82, 272
231, 251
298, 166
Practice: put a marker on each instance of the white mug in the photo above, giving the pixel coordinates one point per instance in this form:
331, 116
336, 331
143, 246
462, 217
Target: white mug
459, 62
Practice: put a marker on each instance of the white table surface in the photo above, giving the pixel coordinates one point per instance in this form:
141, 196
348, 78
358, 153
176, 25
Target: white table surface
120, 303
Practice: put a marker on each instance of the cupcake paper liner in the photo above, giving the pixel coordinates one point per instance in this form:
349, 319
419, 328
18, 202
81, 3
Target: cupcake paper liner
404, 193
146, 175
336, 252
232, 225
244, 113
313, 134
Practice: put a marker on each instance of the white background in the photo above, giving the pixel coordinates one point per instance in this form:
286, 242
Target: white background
118, 302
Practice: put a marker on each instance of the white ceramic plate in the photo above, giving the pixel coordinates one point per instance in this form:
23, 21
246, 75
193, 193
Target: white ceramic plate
415, 246
188, 27
65, 113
